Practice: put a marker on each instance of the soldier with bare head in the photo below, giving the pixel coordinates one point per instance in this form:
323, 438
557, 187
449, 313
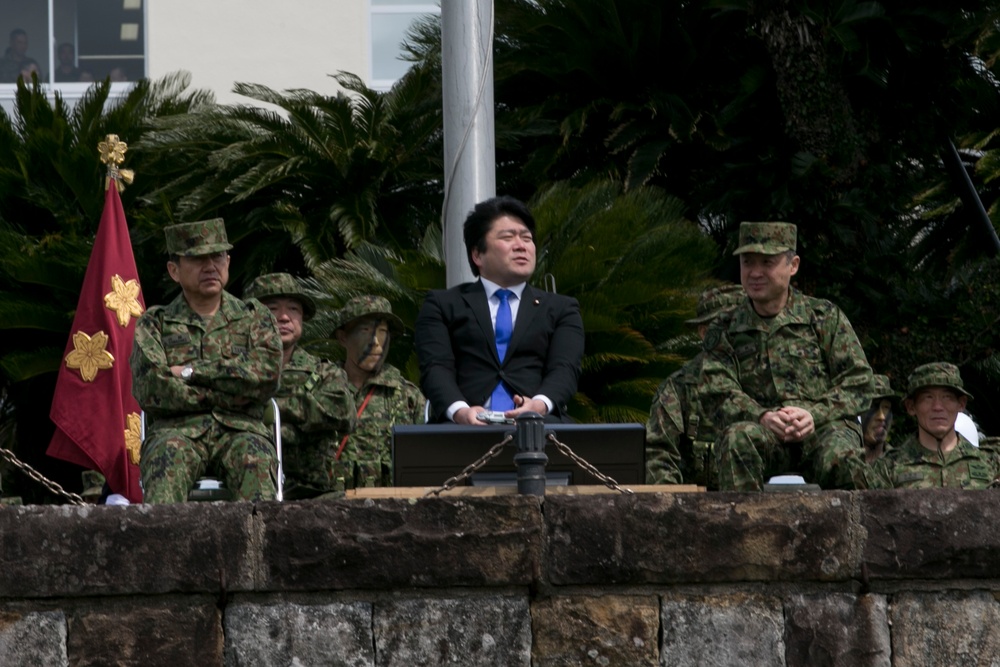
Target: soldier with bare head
203, 369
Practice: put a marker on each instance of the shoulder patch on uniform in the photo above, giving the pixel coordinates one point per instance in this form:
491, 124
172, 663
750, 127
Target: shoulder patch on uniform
979, 470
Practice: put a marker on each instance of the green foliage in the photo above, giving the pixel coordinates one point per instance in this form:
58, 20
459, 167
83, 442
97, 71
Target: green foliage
303, 178
636, 266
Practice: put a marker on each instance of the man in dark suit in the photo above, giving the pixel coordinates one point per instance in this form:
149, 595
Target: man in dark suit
462, 371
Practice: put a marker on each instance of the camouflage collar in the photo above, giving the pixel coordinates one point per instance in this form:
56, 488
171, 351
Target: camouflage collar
913, 452
302, 359
179, 310
389, 376
796, 311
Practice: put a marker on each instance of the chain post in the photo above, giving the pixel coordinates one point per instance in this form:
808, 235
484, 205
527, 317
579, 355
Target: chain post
530, 458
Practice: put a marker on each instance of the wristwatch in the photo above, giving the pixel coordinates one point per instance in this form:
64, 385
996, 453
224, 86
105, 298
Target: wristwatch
187, 372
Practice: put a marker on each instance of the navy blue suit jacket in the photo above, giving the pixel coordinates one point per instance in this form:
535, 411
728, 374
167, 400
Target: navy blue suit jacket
456, 347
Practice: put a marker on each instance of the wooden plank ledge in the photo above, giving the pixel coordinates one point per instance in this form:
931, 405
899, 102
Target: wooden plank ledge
487, 491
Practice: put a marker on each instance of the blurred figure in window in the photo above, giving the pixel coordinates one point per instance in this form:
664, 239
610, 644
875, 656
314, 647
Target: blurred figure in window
66, 70
117, 74
14, 56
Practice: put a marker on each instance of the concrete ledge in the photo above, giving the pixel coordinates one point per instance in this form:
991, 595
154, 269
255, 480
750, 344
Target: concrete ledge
395, 543
941, 534
698, 538
505, 541
833, 578
102, 550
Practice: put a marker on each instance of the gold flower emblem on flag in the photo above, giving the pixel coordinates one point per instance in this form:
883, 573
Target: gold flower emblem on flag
89, 355
112, 150
133, 437
122, 299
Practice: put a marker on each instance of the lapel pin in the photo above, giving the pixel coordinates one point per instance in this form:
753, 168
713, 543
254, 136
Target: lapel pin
537, 302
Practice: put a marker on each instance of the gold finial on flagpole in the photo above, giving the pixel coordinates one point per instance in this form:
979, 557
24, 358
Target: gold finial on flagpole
112, 152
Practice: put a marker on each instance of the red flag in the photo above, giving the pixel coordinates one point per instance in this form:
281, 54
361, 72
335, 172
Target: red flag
97, 419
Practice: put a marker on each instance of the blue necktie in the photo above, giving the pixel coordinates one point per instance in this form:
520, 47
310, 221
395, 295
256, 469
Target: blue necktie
501, 399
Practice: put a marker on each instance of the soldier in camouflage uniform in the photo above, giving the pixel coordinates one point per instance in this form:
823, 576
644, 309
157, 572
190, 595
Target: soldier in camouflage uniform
784, 376
383, 396
876, 423
314, 401
937, 455
203, 370
679, 434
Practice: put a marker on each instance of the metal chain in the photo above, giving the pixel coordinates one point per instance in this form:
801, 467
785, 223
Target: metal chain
451, 482
570, 454
38, 477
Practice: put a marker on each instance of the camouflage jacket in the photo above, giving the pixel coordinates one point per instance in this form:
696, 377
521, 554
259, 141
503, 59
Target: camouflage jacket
679, 433
394, 400
913, 466
317, 409
236, 358
314, 396
807, 356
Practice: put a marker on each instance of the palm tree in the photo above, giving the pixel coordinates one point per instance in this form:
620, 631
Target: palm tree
311, 180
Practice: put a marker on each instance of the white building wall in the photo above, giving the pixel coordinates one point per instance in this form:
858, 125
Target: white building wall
282, 44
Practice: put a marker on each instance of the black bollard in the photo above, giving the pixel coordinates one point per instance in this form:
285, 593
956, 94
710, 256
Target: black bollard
530, 458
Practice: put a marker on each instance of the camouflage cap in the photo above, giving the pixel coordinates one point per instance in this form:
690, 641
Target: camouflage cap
768, 238
883, 388
191, 239
937, 374
369, 306
277, 285
717, 300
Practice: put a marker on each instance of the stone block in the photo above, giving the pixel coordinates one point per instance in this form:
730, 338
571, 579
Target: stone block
157, 632
338, 634
723, 631
945, 628
836, 630
491, 630
113, 550
608, 630
399, 543
699, 537
33, 638
931, 534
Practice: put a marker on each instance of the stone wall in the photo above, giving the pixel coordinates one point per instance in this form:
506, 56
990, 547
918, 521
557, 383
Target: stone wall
831, 578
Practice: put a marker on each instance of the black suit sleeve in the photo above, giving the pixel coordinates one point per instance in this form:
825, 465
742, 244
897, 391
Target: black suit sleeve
563, 355
438, 372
